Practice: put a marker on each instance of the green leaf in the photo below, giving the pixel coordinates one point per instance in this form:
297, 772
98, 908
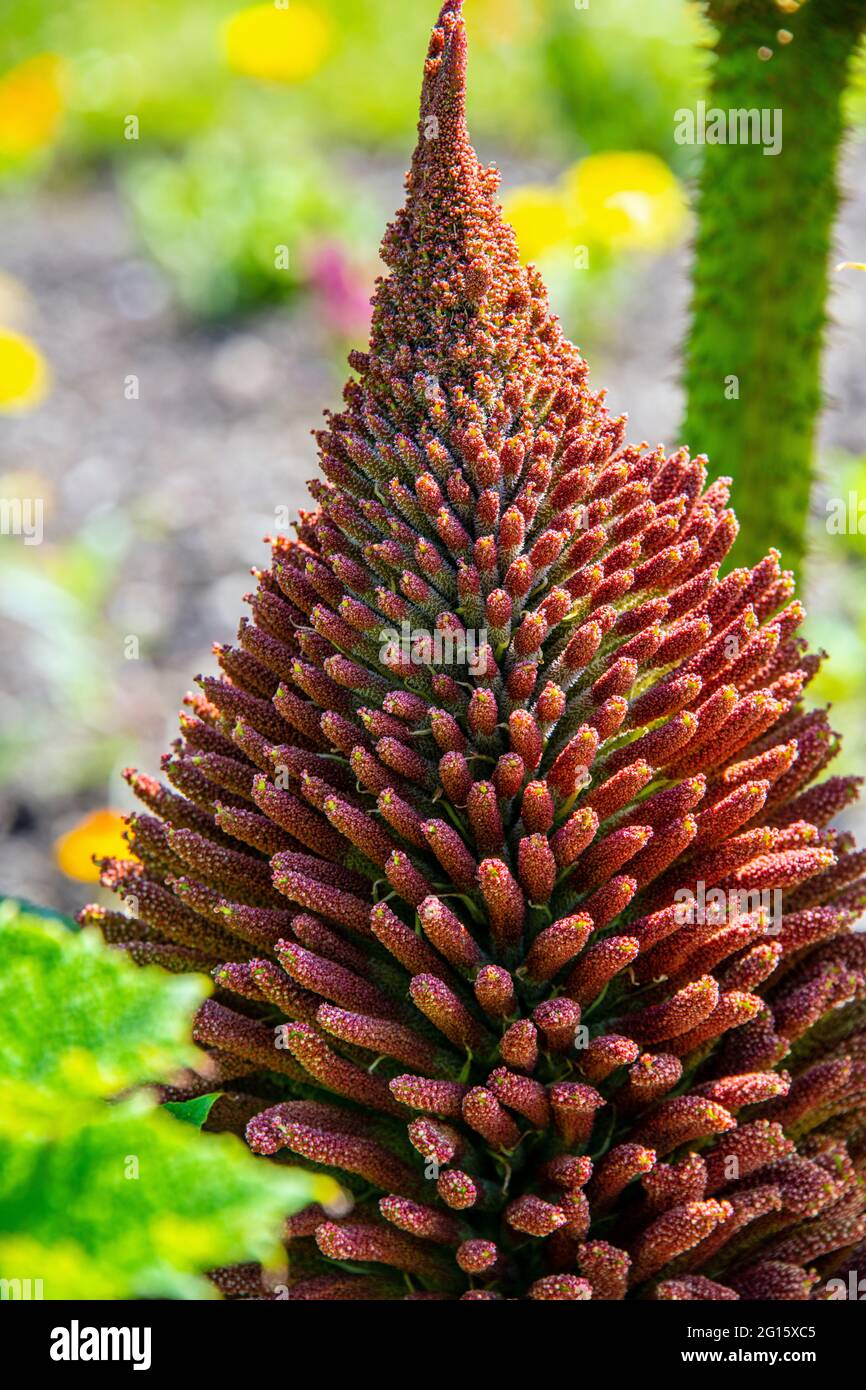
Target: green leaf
116, 1198
78, 1022
194, 1111
143, 1204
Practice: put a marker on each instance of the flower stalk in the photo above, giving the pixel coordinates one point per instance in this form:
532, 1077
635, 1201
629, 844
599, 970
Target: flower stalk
761, 273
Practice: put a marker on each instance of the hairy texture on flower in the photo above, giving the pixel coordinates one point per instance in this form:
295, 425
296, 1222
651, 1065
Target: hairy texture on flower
543, 948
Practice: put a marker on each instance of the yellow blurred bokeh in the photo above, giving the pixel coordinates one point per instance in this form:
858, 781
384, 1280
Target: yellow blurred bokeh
31, 105
277, 44
626, 199
615, 200
24, 374
538, 215
100, 833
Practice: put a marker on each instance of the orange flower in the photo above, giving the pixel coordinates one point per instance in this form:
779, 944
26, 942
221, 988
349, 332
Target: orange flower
100, 833
31, 105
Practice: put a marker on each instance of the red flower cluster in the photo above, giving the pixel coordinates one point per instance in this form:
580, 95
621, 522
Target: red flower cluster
444, 904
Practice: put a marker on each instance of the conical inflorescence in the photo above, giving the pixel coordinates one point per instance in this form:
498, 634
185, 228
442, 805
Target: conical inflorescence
504, 832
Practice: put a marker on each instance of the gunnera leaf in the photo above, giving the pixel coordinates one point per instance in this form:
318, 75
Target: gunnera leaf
116, 1200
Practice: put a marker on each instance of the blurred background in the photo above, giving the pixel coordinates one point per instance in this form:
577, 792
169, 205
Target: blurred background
192, 198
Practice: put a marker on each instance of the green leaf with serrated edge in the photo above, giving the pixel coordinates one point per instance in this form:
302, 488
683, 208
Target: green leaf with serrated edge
117, 1200
77, 1022
144, 1202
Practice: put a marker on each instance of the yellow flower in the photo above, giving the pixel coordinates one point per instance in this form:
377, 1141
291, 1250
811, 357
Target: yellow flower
277, 44
625, 200
539, 218
100, 833
619, 201
31, 105
24, 376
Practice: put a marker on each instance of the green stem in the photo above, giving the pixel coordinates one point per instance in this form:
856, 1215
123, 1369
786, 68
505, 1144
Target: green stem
753, 360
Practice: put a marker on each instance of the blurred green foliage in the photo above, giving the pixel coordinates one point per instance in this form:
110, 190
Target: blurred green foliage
164, 62
223, 167
836, 599
232, 222
620, 70
119, 1199
59, 599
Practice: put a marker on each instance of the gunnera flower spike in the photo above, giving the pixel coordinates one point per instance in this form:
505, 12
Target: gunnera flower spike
531, 927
